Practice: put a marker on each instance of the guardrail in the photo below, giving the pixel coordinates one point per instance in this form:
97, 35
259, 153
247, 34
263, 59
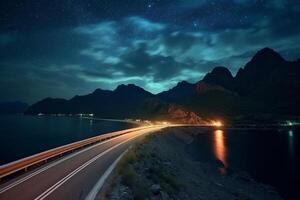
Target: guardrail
24, 163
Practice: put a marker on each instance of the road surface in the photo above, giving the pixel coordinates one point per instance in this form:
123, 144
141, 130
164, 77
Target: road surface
73, 176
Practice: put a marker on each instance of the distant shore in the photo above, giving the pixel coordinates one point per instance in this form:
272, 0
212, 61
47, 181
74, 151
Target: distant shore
160, 168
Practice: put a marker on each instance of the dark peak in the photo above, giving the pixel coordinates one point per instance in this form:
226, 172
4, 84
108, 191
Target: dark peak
217, 74
183, 84
220, 70
220, 76
129, 88
13, 102
267, 54
98, 90
12, 107
50, 99
266, 50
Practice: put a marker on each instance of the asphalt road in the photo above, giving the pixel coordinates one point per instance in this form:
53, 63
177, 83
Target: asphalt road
73, 176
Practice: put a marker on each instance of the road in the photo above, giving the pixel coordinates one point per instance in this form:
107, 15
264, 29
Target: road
74, 176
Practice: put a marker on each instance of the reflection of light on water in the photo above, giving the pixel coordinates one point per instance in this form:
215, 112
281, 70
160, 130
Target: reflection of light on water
91, 122
220, 150
291, 143
291, 133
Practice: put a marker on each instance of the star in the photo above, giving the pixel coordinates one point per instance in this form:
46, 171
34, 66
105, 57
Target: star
149, 5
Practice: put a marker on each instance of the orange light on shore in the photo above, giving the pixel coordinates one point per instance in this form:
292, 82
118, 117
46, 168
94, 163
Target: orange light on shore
216, 123
162, 123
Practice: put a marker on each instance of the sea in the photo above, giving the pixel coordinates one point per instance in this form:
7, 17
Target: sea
24, 135
269, 156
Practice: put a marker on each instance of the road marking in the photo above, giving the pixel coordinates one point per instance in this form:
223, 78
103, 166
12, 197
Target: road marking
2, 190
95, 190
66, 178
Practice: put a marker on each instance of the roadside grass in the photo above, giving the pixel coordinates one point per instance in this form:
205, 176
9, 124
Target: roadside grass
131, 179
168, 183
140, 184
128, 175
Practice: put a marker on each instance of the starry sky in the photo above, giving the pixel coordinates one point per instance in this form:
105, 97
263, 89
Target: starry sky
61, 48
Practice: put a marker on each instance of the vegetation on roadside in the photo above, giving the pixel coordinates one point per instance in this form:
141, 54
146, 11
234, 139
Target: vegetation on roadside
160, 167
140, 170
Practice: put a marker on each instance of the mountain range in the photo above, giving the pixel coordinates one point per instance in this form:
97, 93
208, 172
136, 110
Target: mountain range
13, 107
267, 85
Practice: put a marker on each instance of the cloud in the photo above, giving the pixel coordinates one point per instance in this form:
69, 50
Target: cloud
145, 25
152, 51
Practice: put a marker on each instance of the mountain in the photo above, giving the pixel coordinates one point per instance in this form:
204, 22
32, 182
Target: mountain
272, 81
266, 85
12, 107
260, 71
49, 106
126, 101
220, 76
179, 93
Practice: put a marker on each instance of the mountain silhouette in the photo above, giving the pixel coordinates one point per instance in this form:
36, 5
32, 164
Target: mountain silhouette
108, 103
126, 101
220, 76
179, 93
260, 70
267, 84
12, 107
272, 81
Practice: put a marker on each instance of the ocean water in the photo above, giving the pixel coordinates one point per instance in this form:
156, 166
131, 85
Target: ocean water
269, 156
22, 136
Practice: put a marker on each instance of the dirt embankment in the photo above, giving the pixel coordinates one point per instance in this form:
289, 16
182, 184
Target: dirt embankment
159, 167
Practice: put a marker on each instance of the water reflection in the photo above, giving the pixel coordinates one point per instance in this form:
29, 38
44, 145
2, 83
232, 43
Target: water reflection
220, 150
291, 143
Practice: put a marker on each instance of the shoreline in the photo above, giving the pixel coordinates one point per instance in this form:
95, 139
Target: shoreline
55, 136
160, 168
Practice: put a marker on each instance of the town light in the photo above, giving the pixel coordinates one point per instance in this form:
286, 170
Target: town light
216, 123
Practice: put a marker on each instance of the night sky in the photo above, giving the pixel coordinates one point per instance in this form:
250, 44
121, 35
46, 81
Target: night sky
61, 48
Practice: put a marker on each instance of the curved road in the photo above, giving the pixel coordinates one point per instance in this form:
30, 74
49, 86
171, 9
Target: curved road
73, 176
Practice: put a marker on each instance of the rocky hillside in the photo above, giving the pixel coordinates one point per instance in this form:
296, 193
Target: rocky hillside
126, 101
12, 107
268, 84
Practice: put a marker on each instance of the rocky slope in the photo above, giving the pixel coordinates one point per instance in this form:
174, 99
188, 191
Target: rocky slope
126, 101
12, 107
268, 84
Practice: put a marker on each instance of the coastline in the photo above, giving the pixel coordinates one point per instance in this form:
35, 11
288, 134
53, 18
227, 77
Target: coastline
160, 168
42, 133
